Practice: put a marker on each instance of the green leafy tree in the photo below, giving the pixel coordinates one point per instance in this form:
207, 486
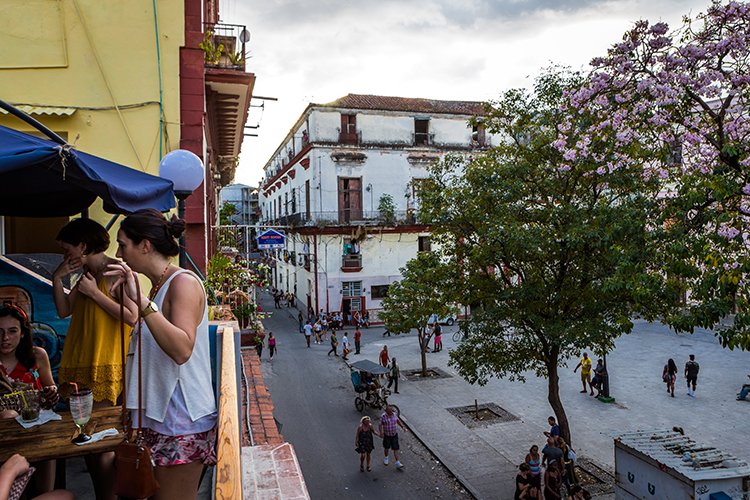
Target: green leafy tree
387, 210
411, 301
677, 103
226, 212
555, 259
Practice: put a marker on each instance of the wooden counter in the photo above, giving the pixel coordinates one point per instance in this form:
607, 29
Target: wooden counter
52, 440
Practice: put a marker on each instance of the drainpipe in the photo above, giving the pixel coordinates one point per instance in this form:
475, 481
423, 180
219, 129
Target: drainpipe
315, 256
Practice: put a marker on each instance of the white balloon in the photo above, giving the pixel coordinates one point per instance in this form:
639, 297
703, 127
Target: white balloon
184, 169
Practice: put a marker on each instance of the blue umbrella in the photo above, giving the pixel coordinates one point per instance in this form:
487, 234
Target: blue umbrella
43, 178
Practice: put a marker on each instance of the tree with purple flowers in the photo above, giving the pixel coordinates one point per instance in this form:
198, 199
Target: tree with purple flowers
675, 103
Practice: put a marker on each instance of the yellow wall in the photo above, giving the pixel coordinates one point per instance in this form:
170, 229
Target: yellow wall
93, 55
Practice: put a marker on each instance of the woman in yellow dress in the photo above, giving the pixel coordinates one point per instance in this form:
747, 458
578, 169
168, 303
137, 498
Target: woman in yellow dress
91, 355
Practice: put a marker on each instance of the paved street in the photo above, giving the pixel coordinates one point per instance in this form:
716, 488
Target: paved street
314, 401
485, 458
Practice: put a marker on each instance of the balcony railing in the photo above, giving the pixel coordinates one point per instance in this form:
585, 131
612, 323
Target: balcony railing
224, 45
351, 262
350, 137
365, 218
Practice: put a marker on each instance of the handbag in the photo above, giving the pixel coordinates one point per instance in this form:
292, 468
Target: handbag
134, 466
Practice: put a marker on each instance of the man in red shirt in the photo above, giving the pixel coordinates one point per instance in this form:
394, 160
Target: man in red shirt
357, 340
384, 358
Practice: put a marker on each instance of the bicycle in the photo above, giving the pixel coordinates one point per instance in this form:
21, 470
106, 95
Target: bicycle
458, 336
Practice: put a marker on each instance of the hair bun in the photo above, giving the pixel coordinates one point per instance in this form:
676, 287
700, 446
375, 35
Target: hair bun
176, 226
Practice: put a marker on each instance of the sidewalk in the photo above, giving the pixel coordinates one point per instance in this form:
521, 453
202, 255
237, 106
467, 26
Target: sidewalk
485, 459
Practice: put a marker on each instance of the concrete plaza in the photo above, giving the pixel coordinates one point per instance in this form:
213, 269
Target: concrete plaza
485, 458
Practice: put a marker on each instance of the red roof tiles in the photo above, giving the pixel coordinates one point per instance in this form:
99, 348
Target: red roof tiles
419, 105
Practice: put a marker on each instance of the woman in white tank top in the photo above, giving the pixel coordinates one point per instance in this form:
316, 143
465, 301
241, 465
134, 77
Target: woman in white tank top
179, 407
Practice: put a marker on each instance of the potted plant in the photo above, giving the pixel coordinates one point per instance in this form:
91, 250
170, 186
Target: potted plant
243, 312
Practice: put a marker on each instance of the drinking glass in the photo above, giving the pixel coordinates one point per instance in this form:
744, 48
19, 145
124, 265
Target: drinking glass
81, 404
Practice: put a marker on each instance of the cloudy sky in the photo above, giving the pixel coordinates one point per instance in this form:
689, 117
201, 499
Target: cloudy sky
305, 51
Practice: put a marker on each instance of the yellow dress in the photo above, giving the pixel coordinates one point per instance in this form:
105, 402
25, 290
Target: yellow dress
91, 355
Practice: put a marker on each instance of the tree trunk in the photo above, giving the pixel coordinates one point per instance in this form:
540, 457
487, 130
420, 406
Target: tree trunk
422, 350
553, 396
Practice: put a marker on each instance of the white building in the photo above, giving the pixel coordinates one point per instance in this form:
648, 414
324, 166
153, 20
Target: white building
324, 184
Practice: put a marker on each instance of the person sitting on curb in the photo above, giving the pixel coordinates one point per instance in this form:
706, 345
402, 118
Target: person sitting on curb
744, 392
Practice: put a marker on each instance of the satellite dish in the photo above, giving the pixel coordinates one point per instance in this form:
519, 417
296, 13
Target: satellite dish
244, 35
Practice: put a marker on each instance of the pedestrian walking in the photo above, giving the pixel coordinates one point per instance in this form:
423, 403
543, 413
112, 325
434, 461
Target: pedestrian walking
585, 366
301, 321
438, 346
669, 375
386, 332
393, 376
345, 346
534, 461
364, 442
318, 331
308, 333
334, 344
259, 345
691, 374
388, 428
744, 391
384, 358
357, 340
271, 345
276, 299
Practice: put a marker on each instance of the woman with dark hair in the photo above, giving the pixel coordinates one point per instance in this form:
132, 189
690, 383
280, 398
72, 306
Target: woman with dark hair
669, 375
179, 408
91, 357
21, 361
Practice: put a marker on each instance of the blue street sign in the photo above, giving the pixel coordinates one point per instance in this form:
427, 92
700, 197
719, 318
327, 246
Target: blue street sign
271, 239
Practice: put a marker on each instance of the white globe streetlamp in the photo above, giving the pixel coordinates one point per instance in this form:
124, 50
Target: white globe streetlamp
186, 171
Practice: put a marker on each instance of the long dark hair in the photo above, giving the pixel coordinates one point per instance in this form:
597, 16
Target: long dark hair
149, 224
671, 366
25, 349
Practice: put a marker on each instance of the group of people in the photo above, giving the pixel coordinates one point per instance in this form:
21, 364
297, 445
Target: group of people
543, 475
178, 403
364, 441
279, 296
600, 375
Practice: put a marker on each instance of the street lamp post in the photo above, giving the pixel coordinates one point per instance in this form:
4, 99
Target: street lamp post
186, 171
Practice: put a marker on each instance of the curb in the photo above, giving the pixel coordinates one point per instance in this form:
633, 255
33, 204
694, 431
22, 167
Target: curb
460, 478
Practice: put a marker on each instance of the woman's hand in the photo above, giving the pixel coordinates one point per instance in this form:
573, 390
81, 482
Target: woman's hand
16, 465
87, 285
123, 275
66, 267
51, 395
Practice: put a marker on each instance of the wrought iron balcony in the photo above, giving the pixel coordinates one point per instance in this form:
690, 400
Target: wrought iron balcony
223, 45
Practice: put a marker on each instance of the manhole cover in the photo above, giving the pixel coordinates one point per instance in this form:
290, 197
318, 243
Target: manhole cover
432, 374
481, 415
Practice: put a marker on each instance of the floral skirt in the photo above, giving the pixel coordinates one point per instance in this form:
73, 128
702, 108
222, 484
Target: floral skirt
178, 450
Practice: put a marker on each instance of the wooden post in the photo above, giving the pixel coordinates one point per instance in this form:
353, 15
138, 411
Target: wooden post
228, 466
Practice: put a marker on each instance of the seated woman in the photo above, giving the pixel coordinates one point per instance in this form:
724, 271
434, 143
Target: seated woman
21, 361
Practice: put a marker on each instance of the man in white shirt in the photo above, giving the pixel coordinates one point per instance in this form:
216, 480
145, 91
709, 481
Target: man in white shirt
345, 343
308, 333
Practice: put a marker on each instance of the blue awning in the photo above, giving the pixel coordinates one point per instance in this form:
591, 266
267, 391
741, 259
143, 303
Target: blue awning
40, 178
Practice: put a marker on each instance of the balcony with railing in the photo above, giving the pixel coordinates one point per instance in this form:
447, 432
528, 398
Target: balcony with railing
353, 137
347, 218
223, 45
351, 263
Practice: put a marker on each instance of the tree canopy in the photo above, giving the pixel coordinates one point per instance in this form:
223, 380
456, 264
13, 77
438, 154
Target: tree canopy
675, 103
420, 294
553, 254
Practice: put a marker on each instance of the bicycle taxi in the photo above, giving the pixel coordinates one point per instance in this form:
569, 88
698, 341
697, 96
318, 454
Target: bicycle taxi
366, 379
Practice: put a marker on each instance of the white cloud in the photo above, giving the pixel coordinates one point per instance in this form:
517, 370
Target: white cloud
305, 51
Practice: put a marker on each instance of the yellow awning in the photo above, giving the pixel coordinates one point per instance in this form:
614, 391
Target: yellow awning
43, 110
